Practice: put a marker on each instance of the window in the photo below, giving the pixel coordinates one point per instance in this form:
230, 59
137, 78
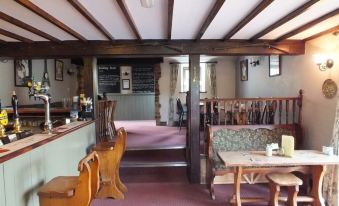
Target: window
184, 73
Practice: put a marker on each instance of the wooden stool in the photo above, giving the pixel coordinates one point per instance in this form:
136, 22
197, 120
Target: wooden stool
276, 180
69, 191
110, 154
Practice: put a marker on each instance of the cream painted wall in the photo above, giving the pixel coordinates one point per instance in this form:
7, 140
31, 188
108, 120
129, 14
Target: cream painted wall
300, 72
59, 89
225, 82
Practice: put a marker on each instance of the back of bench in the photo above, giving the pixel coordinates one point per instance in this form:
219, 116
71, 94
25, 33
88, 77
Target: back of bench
248, 137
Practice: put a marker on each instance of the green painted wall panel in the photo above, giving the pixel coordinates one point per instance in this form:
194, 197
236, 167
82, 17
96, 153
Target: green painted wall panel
2, 186
38, 172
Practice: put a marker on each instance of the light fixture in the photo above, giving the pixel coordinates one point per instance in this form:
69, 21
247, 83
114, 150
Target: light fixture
323, 62
254, 62
147, 3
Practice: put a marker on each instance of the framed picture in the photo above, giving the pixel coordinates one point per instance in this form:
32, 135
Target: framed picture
244, 70
274, 65
126, 84
22, 71
59, 70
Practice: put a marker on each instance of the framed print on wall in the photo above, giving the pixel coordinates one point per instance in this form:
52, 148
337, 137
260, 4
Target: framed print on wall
59, 70
126, 84
22, 71
274, 65
244, 70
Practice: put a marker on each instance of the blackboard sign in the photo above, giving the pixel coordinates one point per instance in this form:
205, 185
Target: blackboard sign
108, 79
143, 80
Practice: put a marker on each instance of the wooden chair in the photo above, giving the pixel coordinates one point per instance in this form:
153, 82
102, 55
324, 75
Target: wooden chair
276, 180
110, 154
106, 110
73, 190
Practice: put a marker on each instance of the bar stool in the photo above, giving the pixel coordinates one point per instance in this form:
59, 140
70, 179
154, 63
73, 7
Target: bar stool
276, 180
73, 190
110, 154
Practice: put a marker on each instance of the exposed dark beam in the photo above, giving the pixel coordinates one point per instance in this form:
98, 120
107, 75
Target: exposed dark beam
2, 41
34, 8
170, 19
15, 36
27, 27
308, 25
285, 19
218, 4
263, 4
330, 30
151, 48
81, 9
128, 18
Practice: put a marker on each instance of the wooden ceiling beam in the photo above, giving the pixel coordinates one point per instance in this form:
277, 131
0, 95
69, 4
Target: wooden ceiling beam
285, 19
308, 25
150, 48
214, 11
27, 27
263, 4
2, 41
170, 19
129, 18
330, 30
15, 36
34, 8
81, 9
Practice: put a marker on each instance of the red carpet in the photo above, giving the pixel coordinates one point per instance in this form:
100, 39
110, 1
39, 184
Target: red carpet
145, 134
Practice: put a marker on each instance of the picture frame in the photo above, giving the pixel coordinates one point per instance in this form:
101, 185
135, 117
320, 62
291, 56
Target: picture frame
274, 62
59, 70
244, 70
22, 71
126, 84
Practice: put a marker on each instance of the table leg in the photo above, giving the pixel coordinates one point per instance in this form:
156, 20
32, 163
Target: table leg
318, 172
237, 181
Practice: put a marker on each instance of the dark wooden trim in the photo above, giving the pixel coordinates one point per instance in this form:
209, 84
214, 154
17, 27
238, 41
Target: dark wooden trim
15, 36
170, 19
285, 19
148, 48
2, 41
81, 9
263, 4
34, 8
27, 27
214, 11
308, 25
330, 30
28, 148
129, 18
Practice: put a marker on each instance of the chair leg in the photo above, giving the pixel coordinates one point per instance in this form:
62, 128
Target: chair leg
212, 188
292, 195
274, 194
180, 121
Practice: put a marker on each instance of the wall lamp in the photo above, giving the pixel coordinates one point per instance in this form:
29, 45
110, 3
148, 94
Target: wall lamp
323, 63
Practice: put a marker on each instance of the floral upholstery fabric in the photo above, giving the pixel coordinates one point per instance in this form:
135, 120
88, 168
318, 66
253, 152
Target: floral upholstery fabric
244, 140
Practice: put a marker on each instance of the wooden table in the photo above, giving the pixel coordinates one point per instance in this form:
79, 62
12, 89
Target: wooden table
314, 160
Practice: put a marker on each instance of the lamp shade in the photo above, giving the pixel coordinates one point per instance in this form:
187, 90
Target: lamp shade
147, 3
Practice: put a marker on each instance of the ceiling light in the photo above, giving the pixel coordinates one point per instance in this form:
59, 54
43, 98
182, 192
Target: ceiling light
147, 3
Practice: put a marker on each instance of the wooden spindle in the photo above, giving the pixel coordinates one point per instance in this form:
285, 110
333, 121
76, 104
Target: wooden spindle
225, 112
280, 110
219, 114
287, 109
293, 111
246, 113
232, 112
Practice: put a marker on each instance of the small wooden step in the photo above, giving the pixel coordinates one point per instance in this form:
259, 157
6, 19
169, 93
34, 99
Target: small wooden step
155, 148
131, 164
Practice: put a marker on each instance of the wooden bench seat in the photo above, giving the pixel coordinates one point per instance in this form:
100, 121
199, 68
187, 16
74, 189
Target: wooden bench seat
59, 187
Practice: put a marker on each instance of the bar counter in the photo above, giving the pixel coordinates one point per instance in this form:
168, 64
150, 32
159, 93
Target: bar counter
33, 161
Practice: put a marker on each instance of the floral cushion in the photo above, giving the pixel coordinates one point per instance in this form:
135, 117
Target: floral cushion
244, 140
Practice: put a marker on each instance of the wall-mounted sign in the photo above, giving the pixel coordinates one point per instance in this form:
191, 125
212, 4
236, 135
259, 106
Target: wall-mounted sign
143, 79
108, 79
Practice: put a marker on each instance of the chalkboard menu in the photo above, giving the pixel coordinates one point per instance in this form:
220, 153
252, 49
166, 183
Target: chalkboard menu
143, 80
108, 79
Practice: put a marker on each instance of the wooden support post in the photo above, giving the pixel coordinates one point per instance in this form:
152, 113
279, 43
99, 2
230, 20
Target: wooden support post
89, 75
193, 137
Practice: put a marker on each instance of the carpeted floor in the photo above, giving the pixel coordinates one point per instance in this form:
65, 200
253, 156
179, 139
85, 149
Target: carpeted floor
145, 134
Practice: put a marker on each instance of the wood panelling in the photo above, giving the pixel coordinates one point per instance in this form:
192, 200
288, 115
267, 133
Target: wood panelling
104, 48
248, 18
34, 8
134, 106
129, 18
285, 19
28, 27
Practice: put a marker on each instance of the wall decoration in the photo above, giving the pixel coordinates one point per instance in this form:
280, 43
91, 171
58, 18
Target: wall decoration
59, 70
329, 88
22, 71
143, 79
126, 84
274, 65
244, 70
108, 79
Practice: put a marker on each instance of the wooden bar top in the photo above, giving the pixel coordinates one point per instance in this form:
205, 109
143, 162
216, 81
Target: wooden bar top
27, 144
38, 110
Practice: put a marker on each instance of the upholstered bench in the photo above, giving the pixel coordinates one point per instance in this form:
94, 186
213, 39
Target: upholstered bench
240, 138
